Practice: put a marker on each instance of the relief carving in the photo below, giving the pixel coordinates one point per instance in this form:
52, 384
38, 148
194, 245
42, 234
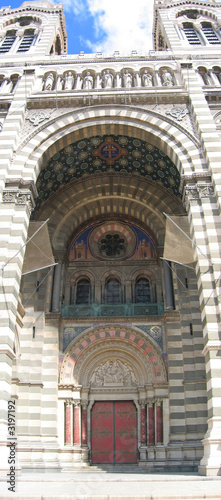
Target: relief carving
114, 373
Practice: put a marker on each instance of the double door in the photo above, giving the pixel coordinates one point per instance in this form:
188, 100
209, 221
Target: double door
114, 432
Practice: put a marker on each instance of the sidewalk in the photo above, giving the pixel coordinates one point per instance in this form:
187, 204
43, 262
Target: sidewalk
101, 485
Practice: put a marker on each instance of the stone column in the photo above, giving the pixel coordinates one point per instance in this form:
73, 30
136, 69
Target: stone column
143, 431
151, 425
76, 419
118, 80
56, 288
137, 79
97, 81
168, 285
68, 422
143, 423
84, 436
159, 422
78, 82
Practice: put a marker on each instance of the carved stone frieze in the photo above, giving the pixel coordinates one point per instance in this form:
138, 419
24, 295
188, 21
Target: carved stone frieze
114, 373
198, 191
20, 192
205, 190
191, 192
19, 199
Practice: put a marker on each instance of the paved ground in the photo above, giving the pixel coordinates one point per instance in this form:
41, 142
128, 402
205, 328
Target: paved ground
101, 485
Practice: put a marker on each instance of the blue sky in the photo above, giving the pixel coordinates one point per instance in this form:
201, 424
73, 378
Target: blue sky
106, 25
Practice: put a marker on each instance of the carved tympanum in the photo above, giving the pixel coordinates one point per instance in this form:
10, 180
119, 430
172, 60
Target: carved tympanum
114, 373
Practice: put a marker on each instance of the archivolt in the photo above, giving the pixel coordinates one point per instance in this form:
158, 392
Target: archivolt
135, 122
87, 352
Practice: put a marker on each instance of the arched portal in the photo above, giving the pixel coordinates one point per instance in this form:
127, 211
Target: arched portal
117, 381
104, 190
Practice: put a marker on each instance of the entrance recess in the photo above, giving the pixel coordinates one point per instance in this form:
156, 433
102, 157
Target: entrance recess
114, 432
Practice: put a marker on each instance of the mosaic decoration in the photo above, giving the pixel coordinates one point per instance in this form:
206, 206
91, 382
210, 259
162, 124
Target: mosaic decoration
137, 243
154, 331
70, 333
97, 155
109, 151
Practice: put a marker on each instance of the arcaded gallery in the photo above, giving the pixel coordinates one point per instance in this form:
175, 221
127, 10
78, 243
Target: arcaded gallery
110, 234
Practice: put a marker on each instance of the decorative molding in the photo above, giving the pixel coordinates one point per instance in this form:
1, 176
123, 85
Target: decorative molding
212, 345
177, 112
19, 199
205, 190
20, 192
38, 117
191, 192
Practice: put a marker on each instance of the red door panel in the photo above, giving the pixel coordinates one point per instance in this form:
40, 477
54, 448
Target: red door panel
114, 432
102, 433
125, 432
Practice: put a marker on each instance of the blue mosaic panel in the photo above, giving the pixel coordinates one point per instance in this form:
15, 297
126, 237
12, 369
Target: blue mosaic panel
70, 333
154, 331
97, 155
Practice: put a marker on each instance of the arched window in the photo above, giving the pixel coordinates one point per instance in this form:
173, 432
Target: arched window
113, 291
8, 41
210, 34
27, 41
83, 289
191, 34
142, 290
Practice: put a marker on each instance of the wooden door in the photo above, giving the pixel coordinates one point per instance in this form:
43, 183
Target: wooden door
114, 432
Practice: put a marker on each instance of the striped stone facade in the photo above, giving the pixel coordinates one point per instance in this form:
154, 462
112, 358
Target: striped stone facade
58, 356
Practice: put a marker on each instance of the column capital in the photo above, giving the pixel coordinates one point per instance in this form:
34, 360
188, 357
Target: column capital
142, 403
84, 405
20, 192
77, 403
68, 402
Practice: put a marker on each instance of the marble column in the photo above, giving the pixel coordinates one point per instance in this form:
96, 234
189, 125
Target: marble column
68, 421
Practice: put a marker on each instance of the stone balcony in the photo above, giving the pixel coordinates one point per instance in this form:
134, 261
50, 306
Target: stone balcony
116, 310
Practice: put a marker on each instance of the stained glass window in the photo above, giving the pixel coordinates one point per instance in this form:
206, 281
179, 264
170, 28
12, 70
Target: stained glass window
142, 290
113, 291
83, 292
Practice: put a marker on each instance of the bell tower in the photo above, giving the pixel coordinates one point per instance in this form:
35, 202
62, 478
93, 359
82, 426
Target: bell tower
35, 29
191, 26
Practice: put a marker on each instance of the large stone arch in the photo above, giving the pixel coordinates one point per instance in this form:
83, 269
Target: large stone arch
166, 134
105, 194
115, 342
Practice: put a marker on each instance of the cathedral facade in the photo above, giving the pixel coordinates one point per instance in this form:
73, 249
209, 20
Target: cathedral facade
110, 354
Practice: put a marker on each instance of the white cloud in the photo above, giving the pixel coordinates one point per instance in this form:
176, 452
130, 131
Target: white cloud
117, 24
122, 25
77, 6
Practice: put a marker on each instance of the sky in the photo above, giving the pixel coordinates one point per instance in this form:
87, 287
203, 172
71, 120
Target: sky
106, 25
